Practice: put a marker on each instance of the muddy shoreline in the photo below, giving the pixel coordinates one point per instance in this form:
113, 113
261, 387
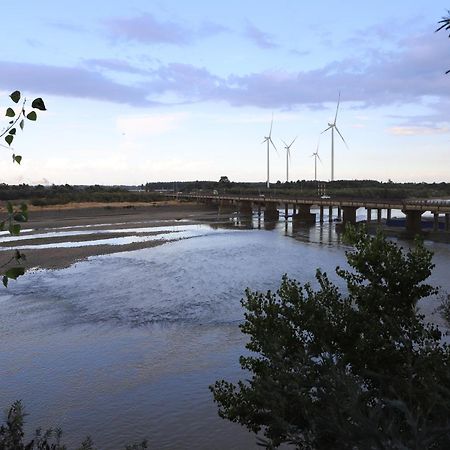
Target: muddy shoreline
97, 217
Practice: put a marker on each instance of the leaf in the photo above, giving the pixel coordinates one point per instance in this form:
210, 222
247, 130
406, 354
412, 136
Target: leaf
20, 217
12, 131
10, 112
17, 158
9, 207
14, 272
14, 229
24, 207
38, 103
32, 115
15, 96
21, 124
9, 138
5, 281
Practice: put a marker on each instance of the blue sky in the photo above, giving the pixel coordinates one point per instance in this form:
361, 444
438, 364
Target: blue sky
168, 90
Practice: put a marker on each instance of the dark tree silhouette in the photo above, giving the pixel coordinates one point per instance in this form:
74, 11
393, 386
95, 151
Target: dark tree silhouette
445, 25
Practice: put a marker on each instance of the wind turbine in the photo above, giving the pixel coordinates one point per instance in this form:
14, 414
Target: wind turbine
269, 141
288, 156
316, 157
332, 127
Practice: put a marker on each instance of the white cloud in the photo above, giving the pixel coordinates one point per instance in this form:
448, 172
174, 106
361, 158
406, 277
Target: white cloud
150, 124
417, 131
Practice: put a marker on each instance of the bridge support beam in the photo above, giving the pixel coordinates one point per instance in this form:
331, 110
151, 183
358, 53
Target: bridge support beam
304, 215
436, 222
379, 215
321, 214
330, 214
388, 214
413, 222
245, 208
339, 215
286, 211
369, 215
271, 212
447, 222
349, 215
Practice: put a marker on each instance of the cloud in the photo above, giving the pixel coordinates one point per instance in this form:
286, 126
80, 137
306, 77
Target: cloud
149, 30
260, 38
410, 74
149, 124
417, 131
70, 82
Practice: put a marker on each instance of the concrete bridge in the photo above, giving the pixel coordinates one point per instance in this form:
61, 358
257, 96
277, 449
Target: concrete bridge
346, 208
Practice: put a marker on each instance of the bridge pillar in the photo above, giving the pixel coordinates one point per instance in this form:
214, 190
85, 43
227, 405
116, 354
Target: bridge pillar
413, 222
339, 215
245, 208
271, 212
388, 214
447, 222
321, 214
294, 210
436, 222
286, 211
369, 215
304, 214
349, 214
379, 211
330, 214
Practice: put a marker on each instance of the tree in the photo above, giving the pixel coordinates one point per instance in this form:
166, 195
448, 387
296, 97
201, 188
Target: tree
224, 180
445, 25
358, 369
16, 214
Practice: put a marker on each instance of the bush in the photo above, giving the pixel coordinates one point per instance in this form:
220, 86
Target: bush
353, 370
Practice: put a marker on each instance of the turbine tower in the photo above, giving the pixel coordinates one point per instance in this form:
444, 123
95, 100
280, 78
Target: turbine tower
316, 157
332, 127
269, 141
288, 156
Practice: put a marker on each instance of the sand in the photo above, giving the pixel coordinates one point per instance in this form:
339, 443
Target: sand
98, 216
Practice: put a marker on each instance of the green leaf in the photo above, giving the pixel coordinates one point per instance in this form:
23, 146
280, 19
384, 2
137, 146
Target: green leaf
9, 207
21, 124
10, 112
9, 138
5, 281
12, 131
20, 217
32, 115
14, 229
24, 207
17, 159
14, 272
15, 96
38, 103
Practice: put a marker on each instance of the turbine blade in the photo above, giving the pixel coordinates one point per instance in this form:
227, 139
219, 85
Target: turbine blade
319, 159
326, 129
286, 146
337, 107
341, 136
271, 124
293, 141
263, 141
273, 145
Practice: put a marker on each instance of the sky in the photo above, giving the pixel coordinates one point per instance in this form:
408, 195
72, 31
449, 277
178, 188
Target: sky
144, 91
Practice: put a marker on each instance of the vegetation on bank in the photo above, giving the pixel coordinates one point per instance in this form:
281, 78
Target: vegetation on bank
369, 189
62, 194
348, 370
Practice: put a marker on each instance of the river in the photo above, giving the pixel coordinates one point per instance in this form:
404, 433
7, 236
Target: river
124, 346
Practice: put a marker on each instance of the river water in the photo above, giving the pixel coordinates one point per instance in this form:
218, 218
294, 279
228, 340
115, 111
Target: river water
124, 346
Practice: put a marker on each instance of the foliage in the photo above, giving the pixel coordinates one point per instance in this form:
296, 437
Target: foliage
12, 435
16, 215
358, 369
445, 25
444, 308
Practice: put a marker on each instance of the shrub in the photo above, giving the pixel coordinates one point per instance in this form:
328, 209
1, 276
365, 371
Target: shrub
359, 369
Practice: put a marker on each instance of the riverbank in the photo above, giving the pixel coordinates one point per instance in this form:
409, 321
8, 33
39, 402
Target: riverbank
99, 222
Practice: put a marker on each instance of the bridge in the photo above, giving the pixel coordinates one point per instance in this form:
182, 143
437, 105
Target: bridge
346, 208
